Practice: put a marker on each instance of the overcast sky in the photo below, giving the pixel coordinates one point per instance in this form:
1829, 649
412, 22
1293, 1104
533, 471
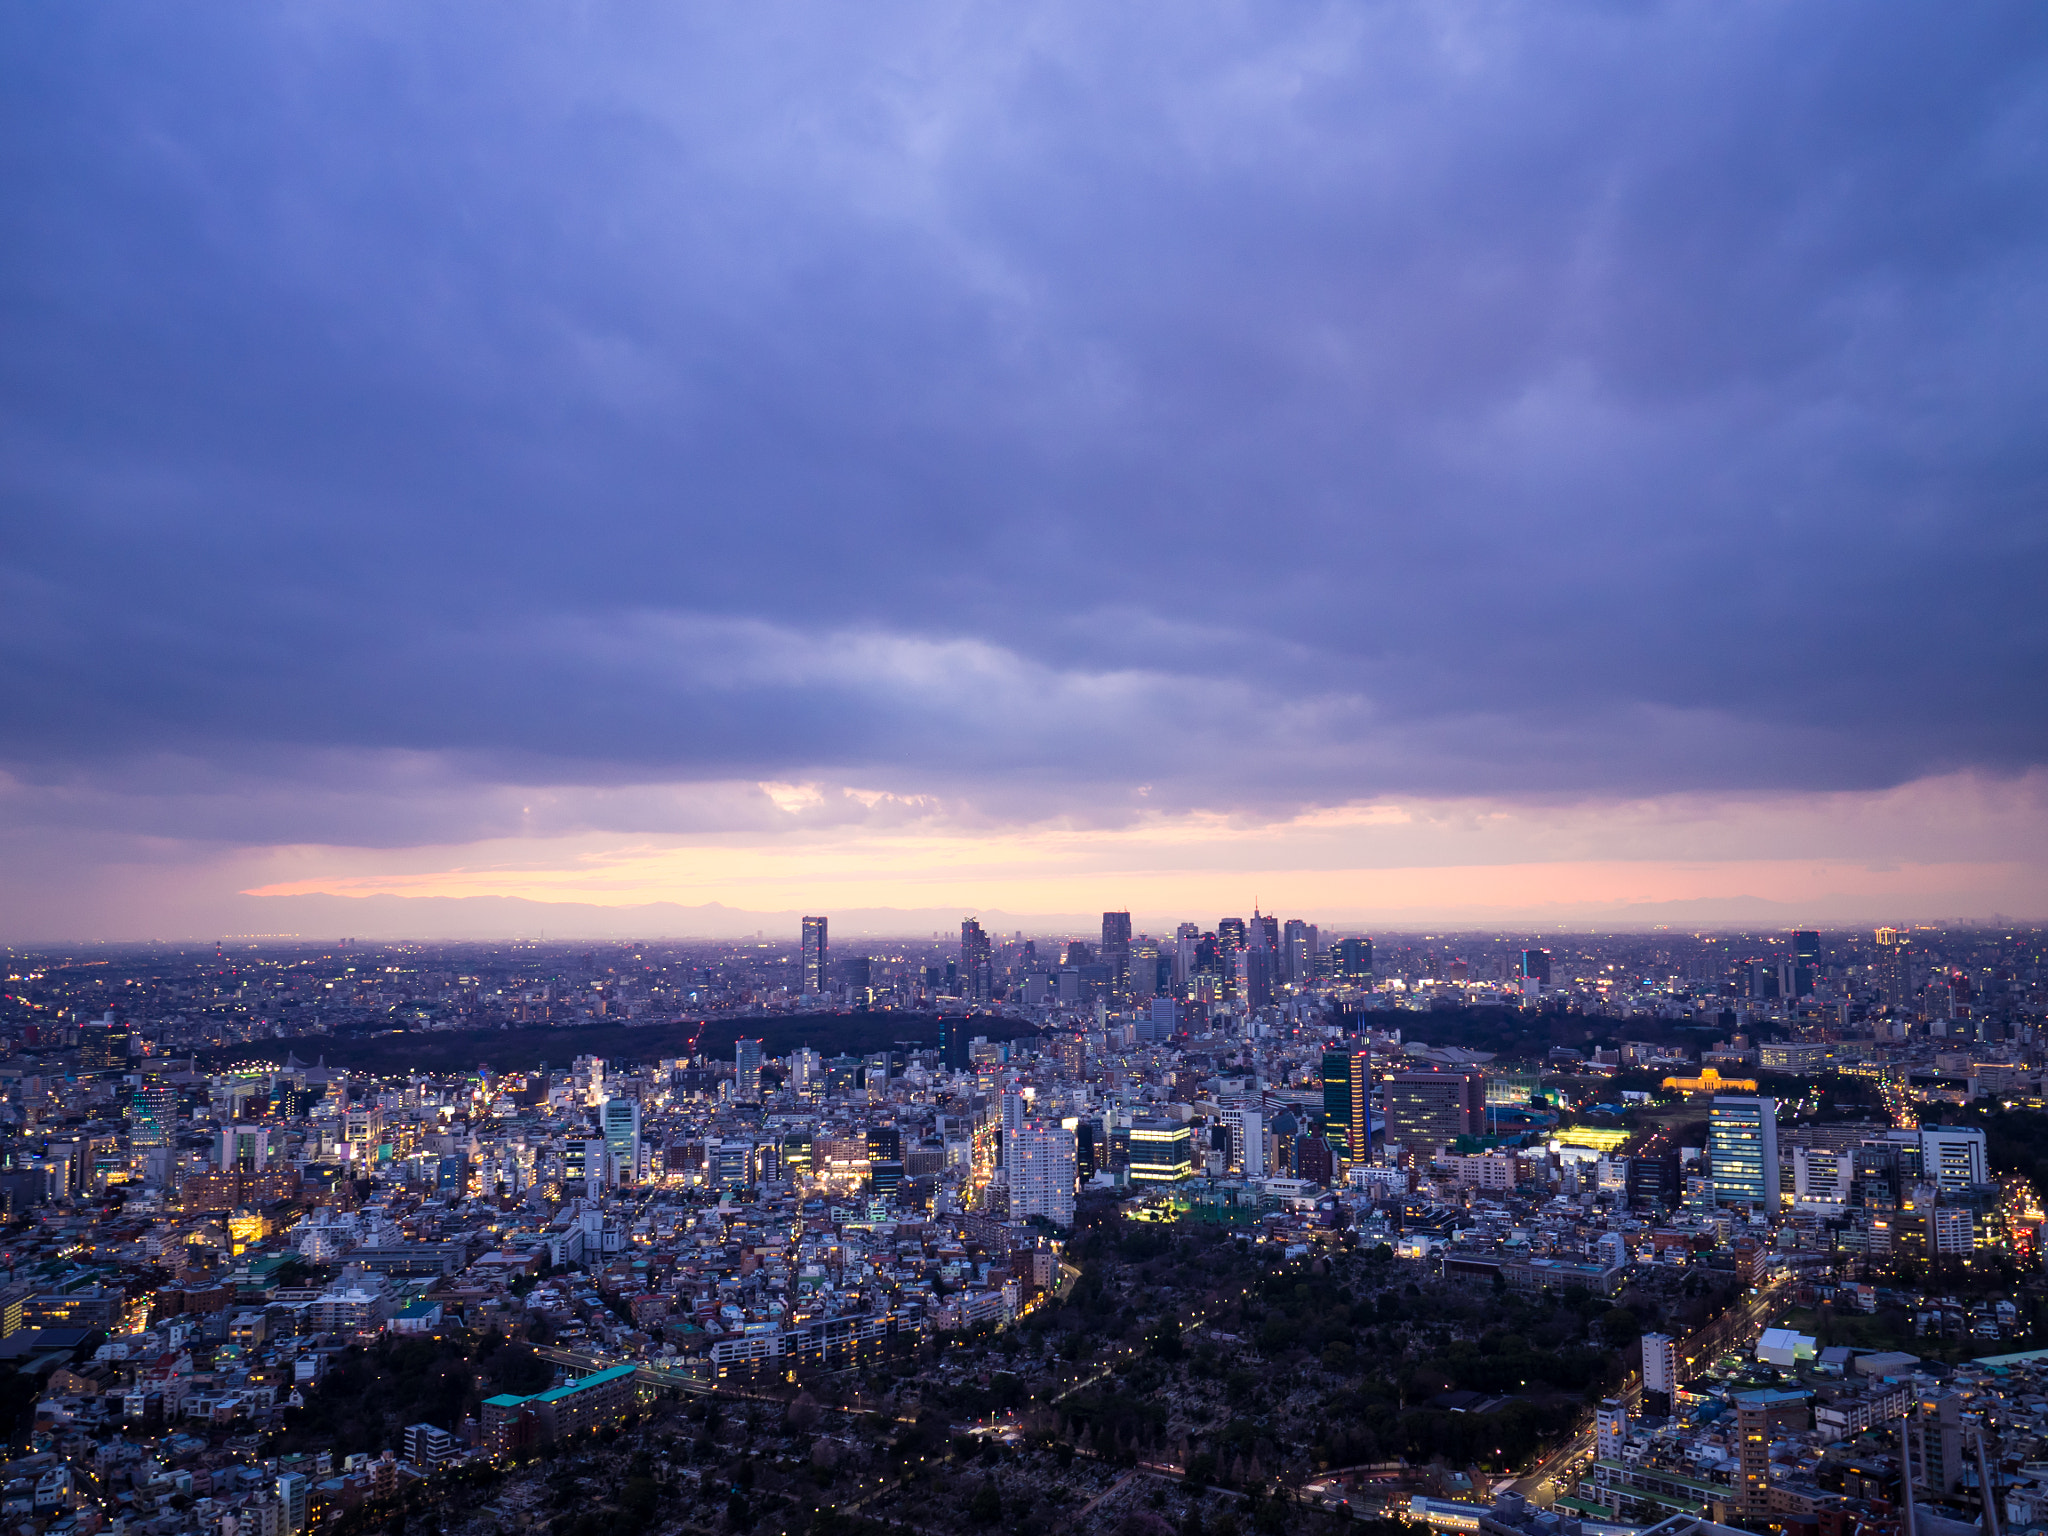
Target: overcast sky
1403, 458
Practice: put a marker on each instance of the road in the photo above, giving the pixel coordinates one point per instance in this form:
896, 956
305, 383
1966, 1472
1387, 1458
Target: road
1556, 1471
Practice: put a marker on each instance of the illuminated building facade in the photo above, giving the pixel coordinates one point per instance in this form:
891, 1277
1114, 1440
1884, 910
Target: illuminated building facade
1742, 1140
1161, 1151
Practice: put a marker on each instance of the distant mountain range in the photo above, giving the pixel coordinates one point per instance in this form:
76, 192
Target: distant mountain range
430, 918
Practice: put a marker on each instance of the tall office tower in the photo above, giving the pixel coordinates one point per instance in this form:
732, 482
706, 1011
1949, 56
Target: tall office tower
1805, 962
1231, 933
1431, 1109
1264, 932
1255, 977
154, 1113
1535, 966
1894, 968
817, 971
586, 1077
746, 1071
1742, 1140
1337, 1096
1116, 946
1358, 1128
1042, 1172
1185, 939
860, 980
1352, 959
621, 1119
1953, 1156
1142, 978
1298, 941
977, 969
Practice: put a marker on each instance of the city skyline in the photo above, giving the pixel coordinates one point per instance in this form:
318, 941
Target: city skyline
973, 770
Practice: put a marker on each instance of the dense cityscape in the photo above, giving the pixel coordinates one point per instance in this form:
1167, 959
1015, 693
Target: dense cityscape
1242, 1225
1040, 769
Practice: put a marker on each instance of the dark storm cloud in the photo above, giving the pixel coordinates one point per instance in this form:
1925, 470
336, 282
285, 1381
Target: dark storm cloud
1264, 403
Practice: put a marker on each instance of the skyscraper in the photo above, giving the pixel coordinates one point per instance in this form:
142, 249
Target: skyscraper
1351, 959
746, 1076
1185, 940
1894, 968
977, 970
1298, 940
621, 1118
1337, 1096
1264, 932
817, 975
1742, 1140
1805, 961
1535, 966
1231, 933
1116, 938
1115, 954
1141, 977
1255, 976
1358, 1127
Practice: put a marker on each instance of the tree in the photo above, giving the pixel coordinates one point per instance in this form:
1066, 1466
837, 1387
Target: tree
1164, 1339
1619, 1327
986, 1508
803, 1413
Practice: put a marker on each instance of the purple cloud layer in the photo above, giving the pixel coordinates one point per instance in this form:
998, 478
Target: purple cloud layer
1265, 405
